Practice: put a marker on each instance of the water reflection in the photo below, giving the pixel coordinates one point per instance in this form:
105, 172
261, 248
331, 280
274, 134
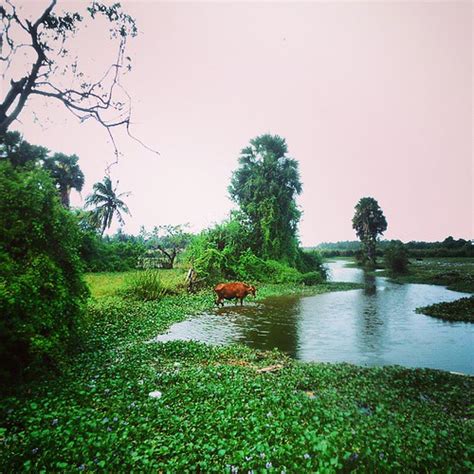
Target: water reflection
376, 325
258, 331
369, 284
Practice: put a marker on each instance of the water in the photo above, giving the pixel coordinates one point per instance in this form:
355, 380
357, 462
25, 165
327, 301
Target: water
374, 326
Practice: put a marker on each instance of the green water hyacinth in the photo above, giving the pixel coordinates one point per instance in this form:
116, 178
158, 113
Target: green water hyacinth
213, 413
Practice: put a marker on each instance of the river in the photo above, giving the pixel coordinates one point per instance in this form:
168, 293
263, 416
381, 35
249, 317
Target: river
373, 326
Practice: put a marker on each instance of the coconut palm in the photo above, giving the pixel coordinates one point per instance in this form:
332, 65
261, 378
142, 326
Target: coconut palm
106, 203
66, 173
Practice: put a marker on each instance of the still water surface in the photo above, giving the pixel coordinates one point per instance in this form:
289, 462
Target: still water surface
376, 325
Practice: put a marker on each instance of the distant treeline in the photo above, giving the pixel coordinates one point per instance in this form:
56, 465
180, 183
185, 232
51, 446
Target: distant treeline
122, 252
449, 247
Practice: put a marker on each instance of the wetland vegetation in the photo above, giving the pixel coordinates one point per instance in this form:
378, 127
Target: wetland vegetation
87, 386
219, 412
105, 397
459, 310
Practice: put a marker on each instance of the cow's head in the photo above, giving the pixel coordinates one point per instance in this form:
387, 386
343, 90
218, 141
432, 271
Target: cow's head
252, 290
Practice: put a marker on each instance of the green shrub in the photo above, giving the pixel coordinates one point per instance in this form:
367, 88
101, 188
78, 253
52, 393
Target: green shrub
282, 273
145, 285
214, 265
42, 294
225, 252
109, 254
396, 258
311, 261
312, 278
211, 266
251, 268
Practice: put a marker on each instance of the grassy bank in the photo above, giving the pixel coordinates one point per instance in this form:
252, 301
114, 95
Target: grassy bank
109, 283
218, 412
459, 310
455, 273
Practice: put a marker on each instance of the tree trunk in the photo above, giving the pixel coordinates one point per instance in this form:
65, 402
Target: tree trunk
65, 194
371, 252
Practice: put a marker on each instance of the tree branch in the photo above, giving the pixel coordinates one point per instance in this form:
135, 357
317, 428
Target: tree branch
84, 102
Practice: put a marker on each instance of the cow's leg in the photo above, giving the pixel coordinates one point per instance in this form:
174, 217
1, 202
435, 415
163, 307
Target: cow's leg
241, 301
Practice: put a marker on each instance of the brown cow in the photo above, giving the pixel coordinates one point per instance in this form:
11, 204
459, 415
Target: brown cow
230, 291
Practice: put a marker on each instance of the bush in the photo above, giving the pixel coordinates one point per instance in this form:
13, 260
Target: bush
211, 266
145, 285
224, 252
396, 258
311, 261
282, 273
42, 294
251, 268
109, 254
312, 278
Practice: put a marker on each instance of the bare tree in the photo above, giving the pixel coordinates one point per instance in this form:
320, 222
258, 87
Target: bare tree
51, 70
170, 241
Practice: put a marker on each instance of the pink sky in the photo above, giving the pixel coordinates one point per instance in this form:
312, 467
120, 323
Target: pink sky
374, 99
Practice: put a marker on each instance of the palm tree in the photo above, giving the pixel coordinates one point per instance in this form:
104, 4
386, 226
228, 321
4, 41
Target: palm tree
66, 173
369, 222
107, 203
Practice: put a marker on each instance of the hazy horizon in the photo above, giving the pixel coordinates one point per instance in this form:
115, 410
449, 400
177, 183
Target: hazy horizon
374, 99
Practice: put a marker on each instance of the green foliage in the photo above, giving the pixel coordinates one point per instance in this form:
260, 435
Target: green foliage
165, 243
449, 247
42, 293
19, 152
252, 268
224, 252
215, 252
106, 204
114, 283
118, 253
232, 235
369, 222
63, 169
279, 272
455, 273
265, 187
310, 261
312, 278
66, 174
218, 413
145, 285
459, 310
396, 258
212, 266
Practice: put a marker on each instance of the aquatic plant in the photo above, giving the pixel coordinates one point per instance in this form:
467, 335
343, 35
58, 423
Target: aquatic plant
220, 409
459, 310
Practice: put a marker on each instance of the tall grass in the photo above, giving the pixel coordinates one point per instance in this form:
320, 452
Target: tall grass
145, 285
113, 283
